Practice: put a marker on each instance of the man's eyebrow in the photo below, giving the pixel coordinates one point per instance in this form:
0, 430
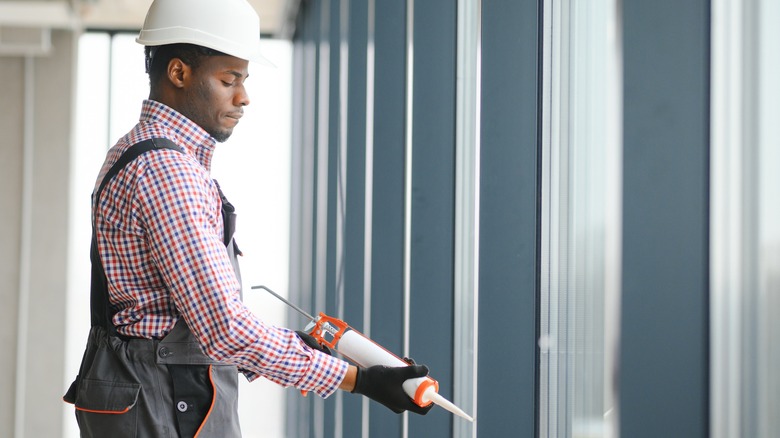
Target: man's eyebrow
238, 75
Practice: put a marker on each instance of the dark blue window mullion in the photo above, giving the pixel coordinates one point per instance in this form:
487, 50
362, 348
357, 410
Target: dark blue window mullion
509, 219
432, 243
387, 238
333, 266
356, 28
664, 327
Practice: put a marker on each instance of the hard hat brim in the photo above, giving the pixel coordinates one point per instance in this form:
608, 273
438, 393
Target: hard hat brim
172, 35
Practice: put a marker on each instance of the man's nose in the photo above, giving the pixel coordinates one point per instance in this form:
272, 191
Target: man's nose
242, 97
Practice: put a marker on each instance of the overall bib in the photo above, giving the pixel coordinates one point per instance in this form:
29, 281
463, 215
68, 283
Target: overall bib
129, 387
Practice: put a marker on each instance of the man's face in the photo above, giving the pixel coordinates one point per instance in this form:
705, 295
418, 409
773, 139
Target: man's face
215, 96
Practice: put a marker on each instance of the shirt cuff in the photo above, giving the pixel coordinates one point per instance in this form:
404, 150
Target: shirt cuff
324, 375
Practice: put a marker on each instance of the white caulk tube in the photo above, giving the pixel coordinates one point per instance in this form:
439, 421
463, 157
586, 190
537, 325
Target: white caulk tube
336, 334
366, 353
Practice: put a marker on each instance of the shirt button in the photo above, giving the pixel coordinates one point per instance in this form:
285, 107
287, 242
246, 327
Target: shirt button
164, 352
182, 406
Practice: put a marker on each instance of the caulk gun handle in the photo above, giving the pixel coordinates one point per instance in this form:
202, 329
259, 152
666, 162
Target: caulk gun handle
311, 341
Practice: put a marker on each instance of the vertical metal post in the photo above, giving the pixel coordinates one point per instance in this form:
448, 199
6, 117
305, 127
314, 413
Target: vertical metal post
25, 243
466, 302
408, 155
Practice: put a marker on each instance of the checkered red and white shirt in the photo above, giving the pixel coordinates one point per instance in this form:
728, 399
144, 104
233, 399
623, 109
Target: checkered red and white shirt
159, 233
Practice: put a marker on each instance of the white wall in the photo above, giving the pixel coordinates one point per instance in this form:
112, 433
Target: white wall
36, 98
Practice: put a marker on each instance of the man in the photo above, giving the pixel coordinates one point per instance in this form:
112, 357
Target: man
169, 331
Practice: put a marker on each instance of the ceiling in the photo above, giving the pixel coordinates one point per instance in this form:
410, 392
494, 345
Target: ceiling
129, 14
275, 15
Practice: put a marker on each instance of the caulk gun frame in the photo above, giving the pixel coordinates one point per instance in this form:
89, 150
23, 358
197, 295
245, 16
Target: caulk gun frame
301, 311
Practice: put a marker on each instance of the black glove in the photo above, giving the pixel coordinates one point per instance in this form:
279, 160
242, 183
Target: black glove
383, 384
311, 342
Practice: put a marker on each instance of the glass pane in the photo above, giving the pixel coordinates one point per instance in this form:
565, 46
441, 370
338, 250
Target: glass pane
580, 219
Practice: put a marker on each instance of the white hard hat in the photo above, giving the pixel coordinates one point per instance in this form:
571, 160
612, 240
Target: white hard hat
227, 26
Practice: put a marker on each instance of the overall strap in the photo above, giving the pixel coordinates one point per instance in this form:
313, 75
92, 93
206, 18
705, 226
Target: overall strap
228, 216
229, 229
100, 307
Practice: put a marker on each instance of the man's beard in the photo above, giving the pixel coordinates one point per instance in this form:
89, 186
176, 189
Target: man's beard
193, 110
221, 136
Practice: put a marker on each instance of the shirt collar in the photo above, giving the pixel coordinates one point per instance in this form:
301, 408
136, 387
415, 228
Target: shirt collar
187, 134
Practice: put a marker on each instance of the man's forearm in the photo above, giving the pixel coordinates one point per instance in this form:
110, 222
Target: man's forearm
348, 384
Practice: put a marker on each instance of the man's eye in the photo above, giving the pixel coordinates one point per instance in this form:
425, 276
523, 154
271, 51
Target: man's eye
228, 84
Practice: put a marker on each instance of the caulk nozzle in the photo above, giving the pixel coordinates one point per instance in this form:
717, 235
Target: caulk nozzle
437, 399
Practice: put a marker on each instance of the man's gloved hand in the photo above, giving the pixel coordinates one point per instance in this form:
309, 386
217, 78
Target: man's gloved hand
383, 384
311, 342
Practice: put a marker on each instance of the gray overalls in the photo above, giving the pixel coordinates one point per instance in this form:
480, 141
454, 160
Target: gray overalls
129, 387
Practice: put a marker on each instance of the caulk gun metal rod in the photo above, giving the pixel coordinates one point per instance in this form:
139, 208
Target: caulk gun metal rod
301, 311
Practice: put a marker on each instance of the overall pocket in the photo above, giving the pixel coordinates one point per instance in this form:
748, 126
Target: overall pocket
106, 389
105, 408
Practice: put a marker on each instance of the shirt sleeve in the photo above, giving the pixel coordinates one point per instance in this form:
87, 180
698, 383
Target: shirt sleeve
181, 212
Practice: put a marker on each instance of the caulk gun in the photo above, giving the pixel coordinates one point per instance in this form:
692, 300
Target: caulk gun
338, 335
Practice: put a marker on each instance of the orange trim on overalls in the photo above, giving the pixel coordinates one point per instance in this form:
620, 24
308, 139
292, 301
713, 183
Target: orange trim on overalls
95, 411
213, 402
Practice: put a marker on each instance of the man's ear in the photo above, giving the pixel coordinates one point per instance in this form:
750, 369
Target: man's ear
178, 72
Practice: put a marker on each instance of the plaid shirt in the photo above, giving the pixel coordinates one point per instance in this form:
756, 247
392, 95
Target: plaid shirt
159, 231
